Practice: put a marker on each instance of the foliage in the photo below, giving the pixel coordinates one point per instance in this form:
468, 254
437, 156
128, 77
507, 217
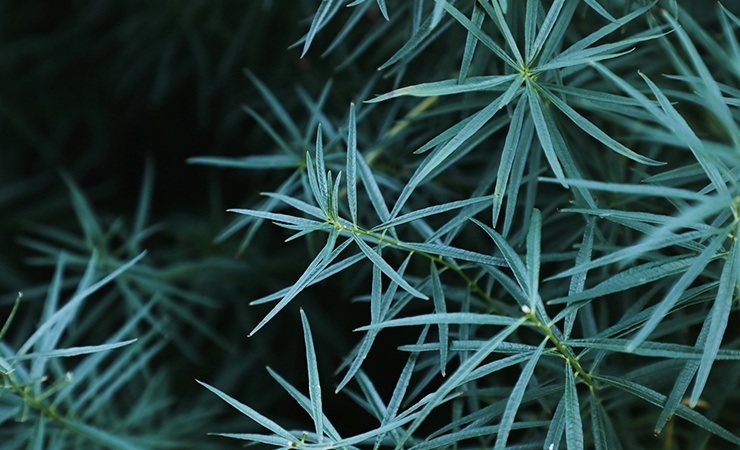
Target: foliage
534, 205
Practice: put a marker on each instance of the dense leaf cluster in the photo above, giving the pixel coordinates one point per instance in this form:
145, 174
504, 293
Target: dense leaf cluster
542, 208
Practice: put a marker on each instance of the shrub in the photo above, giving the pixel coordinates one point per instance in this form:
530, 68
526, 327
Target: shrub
541, 214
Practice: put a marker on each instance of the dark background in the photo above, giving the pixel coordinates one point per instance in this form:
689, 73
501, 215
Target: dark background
94, 90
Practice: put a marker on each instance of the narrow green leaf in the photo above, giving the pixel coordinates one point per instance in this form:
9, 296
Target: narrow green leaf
440, 309
547, 25
85, 214
634, 252
598, 425
272, 101
653, 349
252, 414
386, 268
476, 19
484, 39
296, 203
437, 12
443, 318
597, 133
710, 91
73, 351
543, 133
676, 123
578, 281
373, 190
515, 399
305, 404
508, 154
447, 251
63, 313
494, 10
636, 189
248, 162
321, 167
314, 386
457, 378
531, 14
431, 210
679, 389
326, 9
718, 319
352, 164
534, 238
5, 366
557, 427
573, 425
448, 87
681, 285
11, 315
277, 217
404, 379
383, 9
600, 9
328, 272
317, 266
658, 399
512, 258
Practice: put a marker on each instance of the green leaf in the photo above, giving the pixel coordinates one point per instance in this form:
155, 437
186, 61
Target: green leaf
495, 11
248, 162
447, 251
519, 135
448, 87
399, 391
597, 133
512, 259
85, 214
352, 164
484, 39
598, 425
278, 218
635, 189
658, 399
471, 42
718, 318
557, 427
280, 113
652, 349
545, 29
314, 386
429, 211
64, 313
73, 351
573, 425
442, 318
326, 10
440, 309
305, 404
543, 133
252, 414
681, 285
317, 266
457, 378
386, 268
534, 238
515, 399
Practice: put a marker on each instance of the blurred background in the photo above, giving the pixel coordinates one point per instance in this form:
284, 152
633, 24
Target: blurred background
100, 98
